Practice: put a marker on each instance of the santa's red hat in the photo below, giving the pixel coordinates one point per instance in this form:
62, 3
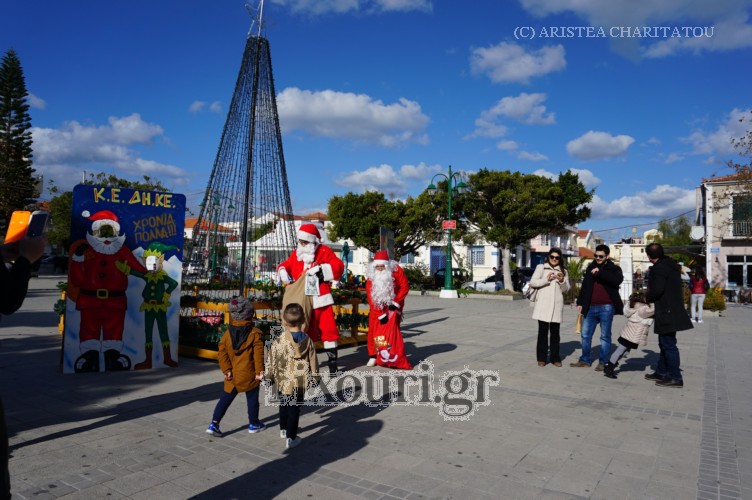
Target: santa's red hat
102, 218
381, 258
309, 233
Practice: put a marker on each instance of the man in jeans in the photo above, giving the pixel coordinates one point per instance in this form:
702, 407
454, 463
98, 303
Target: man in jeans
665, 291
598, 302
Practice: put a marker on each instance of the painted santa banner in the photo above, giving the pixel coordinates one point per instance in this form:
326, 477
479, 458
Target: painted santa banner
125, 265
390, 348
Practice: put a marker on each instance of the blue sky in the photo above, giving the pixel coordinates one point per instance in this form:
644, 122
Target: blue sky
382, 94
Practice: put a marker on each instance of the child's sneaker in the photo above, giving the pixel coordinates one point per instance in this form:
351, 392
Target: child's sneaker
213, 429
283, 433
292, 443
254, 428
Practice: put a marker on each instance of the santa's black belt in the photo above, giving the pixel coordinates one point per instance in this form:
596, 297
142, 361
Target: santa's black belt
103, 293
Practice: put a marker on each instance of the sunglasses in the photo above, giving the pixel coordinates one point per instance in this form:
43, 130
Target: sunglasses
601, 256
554, 257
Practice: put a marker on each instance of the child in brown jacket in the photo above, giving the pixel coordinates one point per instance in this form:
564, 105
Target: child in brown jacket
292, 364
241, 359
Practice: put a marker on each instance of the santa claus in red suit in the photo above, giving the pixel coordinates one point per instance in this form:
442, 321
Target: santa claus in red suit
311, 258
98, 280
386, 289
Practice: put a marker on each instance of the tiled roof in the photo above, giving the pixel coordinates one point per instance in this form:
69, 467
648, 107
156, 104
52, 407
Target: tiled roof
725, 178
586, 253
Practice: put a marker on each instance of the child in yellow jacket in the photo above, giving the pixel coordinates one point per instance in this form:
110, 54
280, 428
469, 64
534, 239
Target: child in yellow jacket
292, 365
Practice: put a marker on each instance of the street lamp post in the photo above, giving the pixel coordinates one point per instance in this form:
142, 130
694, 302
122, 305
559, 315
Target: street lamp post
454, 183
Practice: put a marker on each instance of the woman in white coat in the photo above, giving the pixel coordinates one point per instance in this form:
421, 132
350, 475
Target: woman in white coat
551, 280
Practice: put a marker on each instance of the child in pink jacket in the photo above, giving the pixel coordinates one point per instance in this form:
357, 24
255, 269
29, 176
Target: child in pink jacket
639, 316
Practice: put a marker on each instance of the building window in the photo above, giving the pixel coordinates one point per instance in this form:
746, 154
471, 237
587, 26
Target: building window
408, 259
477, 255
741, 222
739, 271
546, 240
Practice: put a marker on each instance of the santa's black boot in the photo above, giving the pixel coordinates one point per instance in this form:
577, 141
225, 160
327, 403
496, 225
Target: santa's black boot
331, 363
114, 361
608, 369
87, 362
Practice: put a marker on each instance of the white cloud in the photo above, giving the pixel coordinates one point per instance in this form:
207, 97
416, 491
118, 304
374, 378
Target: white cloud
404, 5
215, 107
486, 127
653, 141
507, 145
719, 141
673, 157
420, 171
730, 18
36, 102
355, 117
587, 178
662, 201
525, 108
196, 106
74, 147
535, 156
599, 146
319, 7
510, 63
385, 179
382, 178
725, 35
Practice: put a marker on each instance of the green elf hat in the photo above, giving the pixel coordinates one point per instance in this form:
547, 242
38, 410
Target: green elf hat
158, 249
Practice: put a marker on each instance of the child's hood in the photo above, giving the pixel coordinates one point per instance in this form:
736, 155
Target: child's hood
302, 349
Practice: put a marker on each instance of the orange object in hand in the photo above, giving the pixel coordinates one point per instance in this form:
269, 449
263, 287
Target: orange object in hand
19, 221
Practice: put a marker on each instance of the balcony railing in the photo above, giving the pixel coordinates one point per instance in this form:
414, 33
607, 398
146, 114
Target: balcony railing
741, 229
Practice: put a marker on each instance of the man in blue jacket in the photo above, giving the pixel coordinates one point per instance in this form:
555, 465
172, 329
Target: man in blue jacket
665, 291
599, 301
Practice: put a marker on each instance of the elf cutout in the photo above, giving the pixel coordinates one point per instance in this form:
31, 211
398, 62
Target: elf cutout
159, 286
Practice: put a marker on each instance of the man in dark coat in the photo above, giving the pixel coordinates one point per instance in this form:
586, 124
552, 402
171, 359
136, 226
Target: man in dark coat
665, 291
599, 301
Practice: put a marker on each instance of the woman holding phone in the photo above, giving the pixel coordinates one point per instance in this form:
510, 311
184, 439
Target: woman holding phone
551, 280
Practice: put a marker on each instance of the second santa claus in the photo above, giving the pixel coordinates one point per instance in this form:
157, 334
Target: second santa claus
386, 288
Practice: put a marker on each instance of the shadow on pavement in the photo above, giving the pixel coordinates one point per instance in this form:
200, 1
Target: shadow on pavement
340, 433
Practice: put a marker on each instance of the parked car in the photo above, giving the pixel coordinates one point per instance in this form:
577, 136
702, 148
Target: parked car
459, 276
486, 285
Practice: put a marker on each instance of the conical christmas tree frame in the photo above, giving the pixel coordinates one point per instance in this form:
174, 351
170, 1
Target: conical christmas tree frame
245, 224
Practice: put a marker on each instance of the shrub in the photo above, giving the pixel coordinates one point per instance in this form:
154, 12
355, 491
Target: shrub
417, 275
714, 300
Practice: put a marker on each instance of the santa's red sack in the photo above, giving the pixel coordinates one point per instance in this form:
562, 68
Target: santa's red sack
390, 348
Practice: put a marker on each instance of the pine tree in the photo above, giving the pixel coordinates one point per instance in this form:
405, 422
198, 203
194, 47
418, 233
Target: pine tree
17, 182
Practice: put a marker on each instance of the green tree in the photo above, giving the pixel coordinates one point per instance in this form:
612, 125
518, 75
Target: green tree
675, 233
61, 205
359, 217
17, 182
510, 208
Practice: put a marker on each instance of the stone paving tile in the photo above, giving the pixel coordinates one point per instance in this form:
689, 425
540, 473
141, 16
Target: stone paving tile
95, 492
543, 423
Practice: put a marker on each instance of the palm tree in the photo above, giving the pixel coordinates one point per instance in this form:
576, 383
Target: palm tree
575, 268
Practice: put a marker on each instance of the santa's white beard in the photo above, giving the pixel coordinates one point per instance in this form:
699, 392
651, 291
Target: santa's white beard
382, 288
107, 246
306, 253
